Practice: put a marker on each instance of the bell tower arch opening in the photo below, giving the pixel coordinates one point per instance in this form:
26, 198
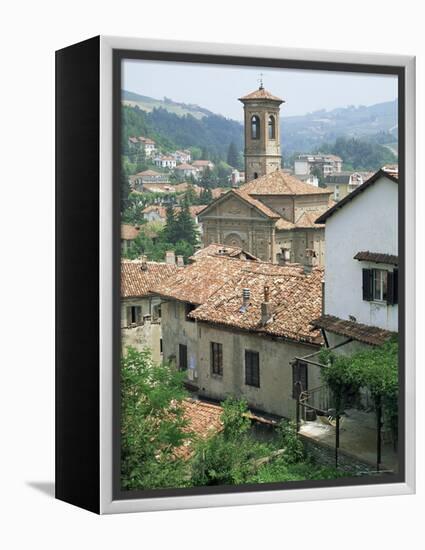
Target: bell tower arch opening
262, 133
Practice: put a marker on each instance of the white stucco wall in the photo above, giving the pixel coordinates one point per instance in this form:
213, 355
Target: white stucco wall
367, 223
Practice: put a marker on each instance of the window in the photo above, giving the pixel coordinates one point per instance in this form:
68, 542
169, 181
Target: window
188, 309
255, 127
255, 175
272, 127
182, 357
252, 368
134, 315
217, 358
380, 285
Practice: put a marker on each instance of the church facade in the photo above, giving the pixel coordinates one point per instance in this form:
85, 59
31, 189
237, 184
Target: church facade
273, 215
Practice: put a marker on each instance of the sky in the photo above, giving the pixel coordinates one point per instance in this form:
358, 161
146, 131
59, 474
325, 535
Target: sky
217, 87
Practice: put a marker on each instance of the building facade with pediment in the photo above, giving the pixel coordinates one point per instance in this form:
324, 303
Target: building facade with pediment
273, 215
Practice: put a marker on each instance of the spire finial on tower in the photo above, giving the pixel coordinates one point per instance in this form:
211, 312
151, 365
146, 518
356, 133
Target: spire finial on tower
260, 80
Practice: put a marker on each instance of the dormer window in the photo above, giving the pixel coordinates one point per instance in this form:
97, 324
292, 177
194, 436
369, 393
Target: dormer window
272, 127
255, 127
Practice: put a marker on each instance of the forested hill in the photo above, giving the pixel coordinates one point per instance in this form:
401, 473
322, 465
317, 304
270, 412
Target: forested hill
375, 123
212, 133
176, 125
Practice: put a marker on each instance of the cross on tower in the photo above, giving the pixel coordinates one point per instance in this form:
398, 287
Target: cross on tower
260, 80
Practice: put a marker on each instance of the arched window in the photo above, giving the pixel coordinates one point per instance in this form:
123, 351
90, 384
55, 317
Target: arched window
272, 127
255, 127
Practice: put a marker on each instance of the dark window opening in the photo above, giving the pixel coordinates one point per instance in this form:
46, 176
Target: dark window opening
255, 175
217, 358
252, 368
182, 357
299, 378
134, 315
188, 308
272, 127
255, 127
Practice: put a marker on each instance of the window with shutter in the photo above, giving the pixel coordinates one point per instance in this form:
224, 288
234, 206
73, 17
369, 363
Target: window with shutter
392, 287
367, 284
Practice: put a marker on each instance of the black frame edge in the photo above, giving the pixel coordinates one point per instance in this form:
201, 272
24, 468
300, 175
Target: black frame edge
77, 451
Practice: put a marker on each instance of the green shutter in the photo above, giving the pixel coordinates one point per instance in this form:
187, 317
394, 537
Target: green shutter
392, 287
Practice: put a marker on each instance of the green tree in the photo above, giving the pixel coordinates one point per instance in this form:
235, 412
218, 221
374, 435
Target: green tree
170, 232
152, 423
185, 226
233, 155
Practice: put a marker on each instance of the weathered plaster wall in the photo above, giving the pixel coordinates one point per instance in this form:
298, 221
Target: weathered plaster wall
367, 223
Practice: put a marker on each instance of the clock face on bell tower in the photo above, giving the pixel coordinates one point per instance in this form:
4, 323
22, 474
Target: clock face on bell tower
262, 133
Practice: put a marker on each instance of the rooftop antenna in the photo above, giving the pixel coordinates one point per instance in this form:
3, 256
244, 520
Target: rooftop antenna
260, 80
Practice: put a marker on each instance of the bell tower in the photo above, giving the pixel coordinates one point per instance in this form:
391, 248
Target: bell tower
262, 133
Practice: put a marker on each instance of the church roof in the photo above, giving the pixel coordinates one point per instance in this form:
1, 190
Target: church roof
281, 183
261, 93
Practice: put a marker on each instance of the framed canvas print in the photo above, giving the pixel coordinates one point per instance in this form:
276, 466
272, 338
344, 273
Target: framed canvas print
235, 274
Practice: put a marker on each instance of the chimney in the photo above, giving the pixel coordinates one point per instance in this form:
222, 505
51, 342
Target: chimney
144, 263
245, 296
170, 257
180, 261
266, 307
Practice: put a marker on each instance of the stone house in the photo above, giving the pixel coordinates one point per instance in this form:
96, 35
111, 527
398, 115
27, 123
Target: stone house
140, 311
187, 170
236, 326
202, 165
165, 161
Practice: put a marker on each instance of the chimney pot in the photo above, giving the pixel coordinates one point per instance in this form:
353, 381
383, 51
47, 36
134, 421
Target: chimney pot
245, 296
180, 261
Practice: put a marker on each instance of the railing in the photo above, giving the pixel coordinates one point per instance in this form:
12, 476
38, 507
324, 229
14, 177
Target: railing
317, 399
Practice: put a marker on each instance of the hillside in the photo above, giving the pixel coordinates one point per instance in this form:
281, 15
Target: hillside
180, 125
377, 123
148, 104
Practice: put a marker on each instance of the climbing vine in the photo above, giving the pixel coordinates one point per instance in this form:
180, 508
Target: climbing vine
375, 369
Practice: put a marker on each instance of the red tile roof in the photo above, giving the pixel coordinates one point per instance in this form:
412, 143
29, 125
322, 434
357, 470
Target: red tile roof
129, 232
217, 249
135, 282
261, 93
295, 298
282, 183
374, 336
215, 283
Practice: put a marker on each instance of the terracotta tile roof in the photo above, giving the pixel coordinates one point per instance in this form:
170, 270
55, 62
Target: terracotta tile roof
217, 249
218, 191
185, 166
135, 282
256, 203
281, 183
308, 219
363, 333
159, 187
129, 232
283, 224
376, 257
295, 298
197, 163
203, 420
148, 173
261, 93
198, 281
